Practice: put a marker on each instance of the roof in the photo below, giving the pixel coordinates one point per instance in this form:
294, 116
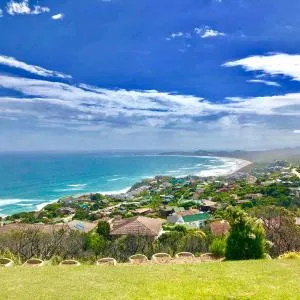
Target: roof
208, 203
219, 227
141, 210
45, 228
196, 217
189, 212
81, 226
137, 226
49, 228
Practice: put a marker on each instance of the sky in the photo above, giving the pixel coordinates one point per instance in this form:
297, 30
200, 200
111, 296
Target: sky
149, 75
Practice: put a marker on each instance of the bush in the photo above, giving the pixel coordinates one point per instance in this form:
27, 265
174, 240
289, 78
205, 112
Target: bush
103, 229
246, 239
217, 247
194, 241
290, 255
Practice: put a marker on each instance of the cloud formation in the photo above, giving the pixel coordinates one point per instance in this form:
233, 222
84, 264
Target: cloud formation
14, 63
23, 8
266, 82
57, 17
146, 113
83, 106
207, 32
271, 64
179, 34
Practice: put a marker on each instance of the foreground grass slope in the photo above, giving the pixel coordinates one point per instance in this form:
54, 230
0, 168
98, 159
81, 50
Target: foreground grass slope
231, 280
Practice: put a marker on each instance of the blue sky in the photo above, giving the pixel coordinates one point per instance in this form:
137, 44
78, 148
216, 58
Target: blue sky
139, 74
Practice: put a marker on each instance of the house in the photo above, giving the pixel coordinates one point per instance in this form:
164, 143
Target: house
138, 226
196, 195
297, 220
67, 200
195, 220
219, 228
188, 212
254, 196
167, 198
179, 209
66, 211
142, 211
166, 211
208, 205
251, 179
20, 227
82, 226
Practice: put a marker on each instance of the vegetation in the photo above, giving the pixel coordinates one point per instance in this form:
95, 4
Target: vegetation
246, 239
218, 247
261, 279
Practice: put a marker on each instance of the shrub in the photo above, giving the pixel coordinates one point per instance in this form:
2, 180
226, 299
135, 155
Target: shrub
246, 239
217, 247
103, 229
290, 255
194, 241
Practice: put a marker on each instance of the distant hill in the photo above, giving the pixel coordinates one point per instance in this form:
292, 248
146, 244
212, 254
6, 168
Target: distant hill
291, 154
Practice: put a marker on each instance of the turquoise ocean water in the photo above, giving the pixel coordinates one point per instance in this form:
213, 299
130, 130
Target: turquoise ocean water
29, 180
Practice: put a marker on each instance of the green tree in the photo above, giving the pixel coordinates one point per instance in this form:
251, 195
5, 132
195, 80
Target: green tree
95, 242
103, 229
246, 239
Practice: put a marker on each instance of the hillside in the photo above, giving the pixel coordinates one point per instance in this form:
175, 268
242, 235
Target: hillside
291, 154
277, 279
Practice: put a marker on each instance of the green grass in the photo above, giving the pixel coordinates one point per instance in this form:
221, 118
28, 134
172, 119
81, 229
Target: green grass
278, 279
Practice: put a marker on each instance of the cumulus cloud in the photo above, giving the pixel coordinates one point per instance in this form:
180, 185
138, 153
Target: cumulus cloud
271, 64
14, 63
296, 131
23, 8
266, 82
1, 13
207, 32
59, 16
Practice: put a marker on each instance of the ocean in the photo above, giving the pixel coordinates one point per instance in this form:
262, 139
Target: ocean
28, 181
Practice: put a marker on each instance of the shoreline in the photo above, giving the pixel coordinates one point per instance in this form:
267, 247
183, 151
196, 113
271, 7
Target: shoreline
236, 165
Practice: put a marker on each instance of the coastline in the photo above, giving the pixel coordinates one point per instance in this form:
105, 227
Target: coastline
231, 166
242, 163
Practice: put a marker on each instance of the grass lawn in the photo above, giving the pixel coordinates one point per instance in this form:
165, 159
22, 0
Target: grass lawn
278, 279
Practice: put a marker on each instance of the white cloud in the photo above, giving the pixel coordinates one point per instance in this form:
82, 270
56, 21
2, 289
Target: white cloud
179, 34
207, 32
1, 13
68, 105
14, 63
59, 16
272, 64
39, 10
266, 82
23, 8
296, 131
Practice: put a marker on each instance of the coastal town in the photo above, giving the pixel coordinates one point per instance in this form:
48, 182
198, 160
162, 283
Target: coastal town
156, 205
